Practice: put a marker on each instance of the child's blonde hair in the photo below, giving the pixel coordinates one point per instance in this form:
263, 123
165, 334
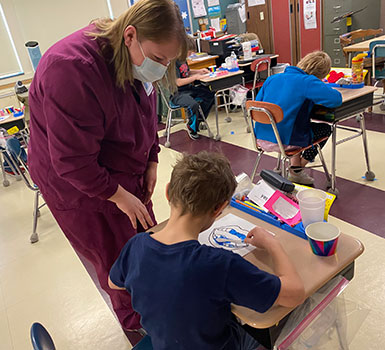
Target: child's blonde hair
201, 182
154, 20
316, 63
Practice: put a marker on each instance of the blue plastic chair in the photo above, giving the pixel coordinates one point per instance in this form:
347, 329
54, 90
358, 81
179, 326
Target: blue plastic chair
40, 338
377, 50
144, 344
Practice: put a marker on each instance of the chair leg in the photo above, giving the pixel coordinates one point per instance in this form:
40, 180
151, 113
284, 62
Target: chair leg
168, 128
248, 129
210, 134
277, 169
5, 180
34, 237
284, 169
228, 119
256, 166
326, 171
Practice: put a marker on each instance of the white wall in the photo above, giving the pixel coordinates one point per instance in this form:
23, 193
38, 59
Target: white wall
47, 21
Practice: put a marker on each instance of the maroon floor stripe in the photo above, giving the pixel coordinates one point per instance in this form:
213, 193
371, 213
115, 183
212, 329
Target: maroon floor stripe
357, 204
373, 122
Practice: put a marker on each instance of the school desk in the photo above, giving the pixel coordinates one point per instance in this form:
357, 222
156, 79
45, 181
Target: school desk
354, 103
202, 62
314, 271
220, 85
361, 46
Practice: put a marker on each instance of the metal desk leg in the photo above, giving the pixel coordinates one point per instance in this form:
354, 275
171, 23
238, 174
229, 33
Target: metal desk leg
5, 181
333, 188
369, 175
217, 137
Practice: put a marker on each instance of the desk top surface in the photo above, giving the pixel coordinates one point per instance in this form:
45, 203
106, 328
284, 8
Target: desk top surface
11, 118
243, 63
201, 59
363, 45
315, 271
351, 94
230, 74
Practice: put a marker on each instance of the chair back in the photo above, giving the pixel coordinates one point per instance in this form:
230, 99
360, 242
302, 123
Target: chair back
265, 113
377, 50
352, 37
261, 64
40, 338
144, 344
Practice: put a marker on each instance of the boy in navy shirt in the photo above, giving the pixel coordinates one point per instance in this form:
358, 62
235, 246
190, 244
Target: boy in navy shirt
296, 91
183, 290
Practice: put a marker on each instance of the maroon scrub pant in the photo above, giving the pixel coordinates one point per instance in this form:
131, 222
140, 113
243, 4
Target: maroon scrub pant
99, 237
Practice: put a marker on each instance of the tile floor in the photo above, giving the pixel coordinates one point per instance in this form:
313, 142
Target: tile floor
47, 282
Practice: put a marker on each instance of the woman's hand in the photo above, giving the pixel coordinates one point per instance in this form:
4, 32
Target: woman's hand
150, 181
204, 71
133, 207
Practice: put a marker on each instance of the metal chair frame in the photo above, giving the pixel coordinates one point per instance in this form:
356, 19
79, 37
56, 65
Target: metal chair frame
283, 155
169, 120
15, 160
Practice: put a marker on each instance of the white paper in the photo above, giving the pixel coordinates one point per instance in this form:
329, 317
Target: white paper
199, 8
228, 233
212, 3
256, 2
215, 22
310, 14
261, 193
242, 13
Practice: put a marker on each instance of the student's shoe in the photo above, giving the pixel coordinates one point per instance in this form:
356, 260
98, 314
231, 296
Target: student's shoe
193, 134
300, 178
202, 126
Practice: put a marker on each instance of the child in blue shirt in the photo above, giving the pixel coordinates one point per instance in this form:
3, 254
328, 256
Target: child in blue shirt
183, 290
296, 91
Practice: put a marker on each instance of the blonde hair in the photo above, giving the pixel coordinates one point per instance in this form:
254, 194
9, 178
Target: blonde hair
316, 63
201, 182
154, 20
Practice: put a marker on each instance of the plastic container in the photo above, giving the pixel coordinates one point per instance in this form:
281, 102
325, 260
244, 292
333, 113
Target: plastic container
358, 68
233, 62
279, 68
311, 205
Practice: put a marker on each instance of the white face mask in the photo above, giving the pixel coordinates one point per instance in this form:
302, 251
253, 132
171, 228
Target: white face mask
149, 70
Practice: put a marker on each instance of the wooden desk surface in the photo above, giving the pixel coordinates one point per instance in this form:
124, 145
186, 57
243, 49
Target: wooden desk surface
244, 64
202, 59
315, 271
350, 94
230, 74
363, 45
11, 118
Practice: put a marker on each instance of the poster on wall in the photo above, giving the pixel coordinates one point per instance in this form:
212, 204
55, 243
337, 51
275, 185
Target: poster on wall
214, 11
256, 2
212, 3
199, 9
310, 14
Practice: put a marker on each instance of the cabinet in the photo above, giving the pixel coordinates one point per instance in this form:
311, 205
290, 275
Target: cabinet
369, 18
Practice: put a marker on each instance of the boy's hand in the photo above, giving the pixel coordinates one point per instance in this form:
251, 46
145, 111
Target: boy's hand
260, 238
204, 71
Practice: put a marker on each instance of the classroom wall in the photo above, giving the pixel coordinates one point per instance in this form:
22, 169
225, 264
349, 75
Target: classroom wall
48, 21
223, 4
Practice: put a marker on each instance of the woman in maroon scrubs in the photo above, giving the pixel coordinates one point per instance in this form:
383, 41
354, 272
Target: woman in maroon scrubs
94, 147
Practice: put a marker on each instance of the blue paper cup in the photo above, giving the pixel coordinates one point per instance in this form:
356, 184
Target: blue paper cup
323, 238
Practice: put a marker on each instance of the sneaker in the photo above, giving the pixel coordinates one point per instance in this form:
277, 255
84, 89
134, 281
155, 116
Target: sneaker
300, 178
193, 134
202, 126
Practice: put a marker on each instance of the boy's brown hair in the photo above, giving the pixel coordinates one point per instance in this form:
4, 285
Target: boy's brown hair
316, 63
201, 182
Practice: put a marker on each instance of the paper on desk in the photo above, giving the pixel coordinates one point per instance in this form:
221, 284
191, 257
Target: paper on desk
261, 193
228, 233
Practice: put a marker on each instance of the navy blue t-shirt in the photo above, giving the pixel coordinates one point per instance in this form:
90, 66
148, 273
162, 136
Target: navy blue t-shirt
183, 291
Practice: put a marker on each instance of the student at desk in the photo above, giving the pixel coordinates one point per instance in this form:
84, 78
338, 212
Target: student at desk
188, 94
183, 290
296, 91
